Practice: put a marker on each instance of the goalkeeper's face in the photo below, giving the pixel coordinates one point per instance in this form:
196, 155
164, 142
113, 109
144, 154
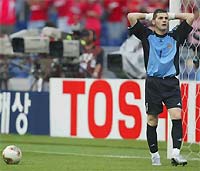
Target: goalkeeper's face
161, 22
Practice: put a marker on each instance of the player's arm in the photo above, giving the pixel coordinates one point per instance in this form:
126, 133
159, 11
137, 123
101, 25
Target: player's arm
189, 17
97, 71
182, 31
136, 27
133, 17
99, 65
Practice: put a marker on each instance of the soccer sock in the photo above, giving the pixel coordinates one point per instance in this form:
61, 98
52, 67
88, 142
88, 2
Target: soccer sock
152, 138
175, 152
177, 133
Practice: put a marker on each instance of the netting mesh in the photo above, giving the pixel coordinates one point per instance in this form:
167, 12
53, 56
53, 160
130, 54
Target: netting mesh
190, 52
190, 75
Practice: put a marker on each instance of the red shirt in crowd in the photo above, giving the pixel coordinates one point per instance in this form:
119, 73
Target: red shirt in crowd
39, 10
7, 12
93, 11
63, 7
115, 9
75, 12
134, 5
156, 4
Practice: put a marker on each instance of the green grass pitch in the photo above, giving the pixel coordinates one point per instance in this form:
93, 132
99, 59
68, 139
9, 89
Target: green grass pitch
44, 153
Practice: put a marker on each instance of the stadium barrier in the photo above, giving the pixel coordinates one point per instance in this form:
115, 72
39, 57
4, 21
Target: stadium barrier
24, 112
89, 108
114, 108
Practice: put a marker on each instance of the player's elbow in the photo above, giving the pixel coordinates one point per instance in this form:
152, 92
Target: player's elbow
131, 18
191, 17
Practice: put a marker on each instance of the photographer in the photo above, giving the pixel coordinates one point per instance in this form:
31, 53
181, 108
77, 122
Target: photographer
91, 60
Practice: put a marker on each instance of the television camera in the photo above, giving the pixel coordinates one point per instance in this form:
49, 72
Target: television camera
50, 43
50, 52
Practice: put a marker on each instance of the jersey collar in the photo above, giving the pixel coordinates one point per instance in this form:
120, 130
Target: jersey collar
158, 35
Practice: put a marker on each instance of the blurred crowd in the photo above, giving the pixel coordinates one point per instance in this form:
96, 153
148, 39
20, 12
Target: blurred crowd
106, 17
101, 22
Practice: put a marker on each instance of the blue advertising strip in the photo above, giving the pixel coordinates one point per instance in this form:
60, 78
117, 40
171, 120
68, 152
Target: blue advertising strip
24, 112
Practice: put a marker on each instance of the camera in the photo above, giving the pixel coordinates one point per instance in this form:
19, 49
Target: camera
50, 43
31, 45
29, 41
5, 46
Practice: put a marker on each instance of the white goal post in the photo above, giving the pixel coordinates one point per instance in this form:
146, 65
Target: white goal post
174, 7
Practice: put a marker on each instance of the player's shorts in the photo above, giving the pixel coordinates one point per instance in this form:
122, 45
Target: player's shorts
159, 91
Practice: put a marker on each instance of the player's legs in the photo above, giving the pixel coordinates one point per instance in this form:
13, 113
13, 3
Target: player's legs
151, 133
152, 122
175, 114
154, 106
172, 99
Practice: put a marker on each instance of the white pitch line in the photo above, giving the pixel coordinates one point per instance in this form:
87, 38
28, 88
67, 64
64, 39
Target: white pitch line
89, 155
97, 155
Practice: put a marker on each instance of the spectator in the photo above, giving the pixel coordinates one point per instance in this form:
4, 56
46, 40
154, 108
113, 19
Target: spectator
92, 56
116, 23
38, 13
93, 12
135, 5
7, 16
75, 15
4, 75
22, 12
63, 9
19, 68
157, 4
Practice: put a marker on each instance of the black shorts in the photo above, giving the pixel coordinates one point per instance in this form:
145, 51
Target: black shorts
159, 91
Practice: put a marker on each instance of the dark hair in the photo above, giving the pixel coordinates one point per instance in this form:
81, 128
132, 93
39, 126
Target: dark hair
85, 33
157, 11
88, 32
50, 24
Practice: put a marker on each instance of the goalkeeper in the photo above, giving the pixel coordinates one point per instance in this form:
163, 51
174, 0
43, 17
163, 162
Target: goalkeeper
161, 57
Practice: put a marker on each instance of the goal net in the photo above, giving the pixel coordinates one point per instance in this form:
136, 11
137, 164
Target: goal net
190, 82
